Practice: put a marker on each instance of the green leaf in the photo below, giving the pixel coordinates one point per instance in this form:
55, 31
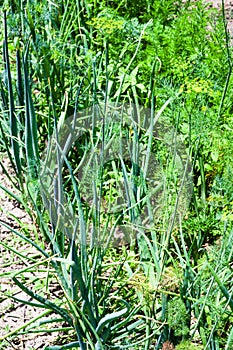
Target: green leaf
13, 119
223, 289
73, 345
106, 320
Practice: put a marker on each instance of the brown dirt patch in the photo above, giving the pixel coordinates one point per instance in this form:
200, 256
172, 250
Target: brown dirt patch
15, 315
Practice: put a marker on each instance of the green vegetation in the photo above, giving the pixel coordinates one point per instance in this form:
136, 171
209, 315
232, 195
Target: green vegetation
132, 220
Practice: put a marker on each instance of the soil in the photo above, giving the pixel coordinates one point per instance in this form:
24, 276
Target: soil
13, 314
228, 8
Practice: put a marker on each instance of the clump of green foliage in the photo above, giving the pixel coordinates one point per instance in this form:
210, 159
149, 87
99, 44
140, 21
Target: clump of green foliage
174, 58
177, 318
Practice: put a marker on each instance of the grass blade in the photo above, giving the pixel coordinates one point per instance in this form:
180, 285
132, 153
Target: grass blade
13, 119
31, 141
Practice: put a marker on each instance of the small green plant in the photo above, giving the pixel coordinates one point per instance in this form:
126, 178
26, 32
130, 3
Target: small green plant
177, 318
187, 345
